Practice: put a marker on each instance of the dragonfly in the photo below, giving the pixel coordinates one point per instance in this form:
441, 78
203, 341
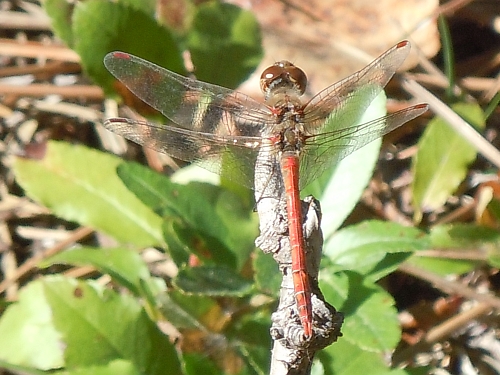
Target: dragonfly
225, 130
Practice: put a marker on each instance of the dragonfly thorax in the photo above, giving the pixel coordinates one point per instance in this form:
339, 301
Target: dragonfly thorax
291, 140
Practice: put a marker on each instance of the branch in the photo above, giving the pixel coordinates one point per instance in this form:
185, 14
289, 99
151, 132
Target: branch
292, 351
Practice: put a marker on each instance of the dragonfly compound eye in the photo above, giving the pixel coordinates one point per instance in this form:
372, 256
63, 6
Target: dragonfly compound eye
283, 74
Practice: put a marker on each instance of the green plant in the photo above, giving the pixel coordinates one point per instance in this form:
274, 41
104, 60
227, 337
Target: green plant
220, 308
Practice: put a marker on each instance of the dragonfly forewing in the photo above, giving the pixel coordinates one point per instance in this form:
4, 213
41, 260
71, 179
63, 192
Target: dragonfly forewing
355, 93
189, 103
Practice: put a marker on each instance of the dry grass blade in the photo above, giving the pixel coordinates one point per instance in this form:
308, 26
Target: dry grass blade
462, 127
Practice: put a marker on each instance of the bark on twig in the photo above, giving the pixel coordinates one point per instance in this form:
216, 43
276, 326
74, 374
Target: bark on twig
292, 351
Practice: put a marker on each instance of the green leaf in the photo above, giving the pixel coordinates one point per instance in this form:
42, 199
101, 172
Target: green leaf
457, 239
206, 212
257, 357
447, 56
364, 246
462, 235
196, 364
146, 6
424, 370
124, 265
248, 335
371, 320
195, 173
81, 314
346, 358
80, 184
29, 337
493, 206
207, 249
252, 331
60, 13
112, 368
225, 43
212, 281
185, 311
442, 160
179, 249
267, 274
494, 259
340, 187
100, 27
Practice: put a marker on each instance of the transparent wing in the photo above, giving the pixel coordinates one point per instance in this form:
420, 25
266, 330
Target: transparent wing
189, 103
214, 125
342, 104
332, 117
236, 153
326, 149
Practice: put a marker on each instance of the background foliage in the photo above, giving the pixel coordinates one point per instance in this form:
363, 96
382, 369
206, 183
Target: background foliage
217, 304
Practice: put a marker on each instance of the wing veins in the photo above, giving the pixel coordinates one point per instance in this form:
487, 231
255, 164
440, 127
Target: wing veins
377, 74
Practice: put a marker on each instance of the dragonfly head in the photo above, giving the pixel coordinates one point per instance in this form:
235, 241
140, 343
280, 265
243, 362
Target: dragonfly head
283, 75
